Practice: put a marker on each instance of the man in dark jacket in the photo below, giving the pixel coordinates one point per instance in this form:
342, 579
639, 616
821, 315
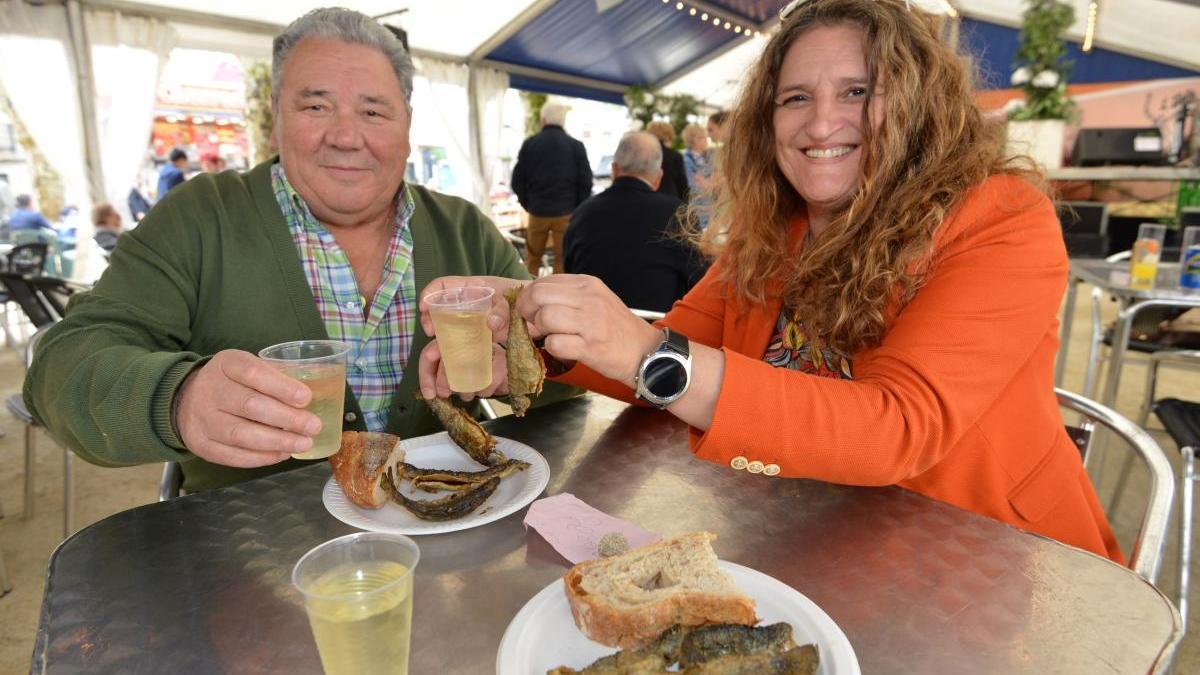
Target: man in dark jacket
627, 236
550, 179
674, 179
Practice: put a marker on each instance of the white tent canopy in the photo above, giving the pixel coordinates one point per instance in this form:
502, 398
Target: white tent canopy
453, 41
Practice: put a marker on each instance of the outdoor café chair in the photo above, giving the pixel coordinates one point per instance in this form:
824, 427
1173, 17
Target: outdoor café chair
1146, 557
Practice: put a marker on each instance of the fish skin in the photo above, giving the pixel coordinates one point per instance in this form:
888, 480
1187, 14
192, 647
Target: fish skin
456, 505
795, 661
709, 642
526, 368
433, 480
465, 431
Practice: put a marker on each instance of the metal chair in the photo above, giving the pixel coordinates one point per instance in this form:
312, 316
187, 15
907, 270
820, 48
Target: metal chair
1147, 322
171, 481
16, 405
1146, 556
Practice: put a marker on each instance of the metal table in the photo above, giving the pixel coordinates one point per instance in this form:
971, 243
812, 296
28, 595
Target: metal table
201, 584
1113, 278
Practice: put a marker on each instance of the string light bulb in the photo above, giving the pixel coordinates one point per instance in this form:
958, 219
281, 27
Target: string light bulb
704, 16
679, 5
1089, 34
692, 11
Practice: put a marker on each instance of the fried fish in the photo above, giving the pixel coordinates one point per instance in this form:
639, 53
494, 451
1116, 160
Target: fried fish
434, 480
526, 369
465, 431
453, 506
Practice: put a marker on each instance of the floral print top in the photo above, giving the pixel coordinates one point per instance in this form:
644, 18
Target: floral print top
790, 347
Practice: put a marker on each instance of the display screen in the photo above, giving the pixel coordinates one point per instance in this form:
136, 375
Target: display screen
664, 377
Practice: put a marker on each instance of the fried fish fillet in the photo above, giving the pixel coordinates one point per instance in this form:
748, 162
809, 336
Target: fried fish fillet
465, 431
456, 505
434, 480
526, 369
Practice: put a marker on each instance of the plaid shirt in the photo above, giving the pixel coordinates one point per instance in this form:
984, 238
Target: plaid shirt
381, 338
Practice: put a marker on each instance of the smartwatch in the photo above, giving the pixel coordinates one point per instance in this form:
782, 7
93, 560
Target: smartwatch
666, 372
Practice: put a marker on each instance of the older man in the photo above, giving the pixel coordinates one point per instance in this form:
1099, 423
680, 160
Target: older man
550, 179
158, 361
628, 235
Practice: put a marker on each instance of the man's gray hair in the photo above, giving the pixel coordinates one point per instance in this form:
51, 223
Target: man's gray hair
554, 113
639, 153
24, 201
337, 23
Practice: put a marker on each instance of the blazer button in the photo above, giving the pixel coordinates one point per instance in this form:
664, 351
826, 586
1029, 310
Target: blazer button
739, 462
755, 467
350, 417
771, 470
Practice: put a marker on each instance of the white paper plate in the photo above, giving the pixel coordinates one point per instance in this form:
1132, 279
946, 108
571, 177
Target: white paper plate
542, 636
439, 452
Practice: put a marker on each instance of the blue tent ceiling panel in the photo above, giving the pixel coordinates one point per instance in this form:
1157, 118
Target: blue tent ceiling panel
758, 11
526, 83
636, 42
994, 48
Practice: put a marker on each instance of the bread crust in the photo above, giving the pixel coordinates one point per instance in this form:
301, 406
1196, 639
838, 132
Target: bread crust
359, 464
629, 628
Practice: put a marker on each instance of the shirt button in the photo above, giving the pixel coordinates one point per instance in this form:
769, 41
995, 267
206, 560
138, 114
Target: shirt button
350, 417
755, 467
361, 362
771, 470
738, 462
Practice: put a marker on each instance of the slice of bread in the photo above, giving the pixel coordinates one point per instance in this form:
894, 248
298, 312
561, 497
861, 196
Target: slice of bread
629, 599
360, 463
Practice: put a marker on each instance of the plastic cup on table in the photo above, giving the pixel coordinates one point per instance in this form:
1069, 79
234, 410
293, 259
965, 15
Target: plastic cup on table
1146, 254
358, 594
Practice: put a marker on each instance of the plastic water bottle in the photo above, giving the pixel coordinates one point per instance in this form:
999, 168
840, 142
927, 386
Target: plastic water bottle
1189, 260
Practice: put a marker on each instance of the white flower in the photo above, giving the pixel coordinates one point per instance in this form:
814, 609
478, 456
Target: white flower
649, 98
1014, 105
1047, 79
1020, 76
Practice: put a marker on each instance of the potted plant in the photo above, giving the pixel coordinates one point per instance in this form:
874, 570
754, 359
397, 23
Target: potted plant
1036, 124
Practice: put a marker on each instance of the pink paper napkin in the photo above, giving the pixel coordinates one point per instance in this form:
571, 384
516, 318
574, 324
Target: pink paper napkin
574, 529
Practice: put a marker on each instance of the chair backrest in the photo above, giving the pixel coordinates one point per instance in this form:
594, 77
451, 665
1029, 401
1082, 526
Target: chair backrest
27, 258
1083, 217
1146, 557
55, 292
38, 310
1084, 228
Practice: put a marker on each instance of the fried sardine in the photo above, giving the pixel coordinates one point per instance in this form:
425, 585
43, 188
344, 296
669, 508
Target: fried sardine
795, 661
465, 431
709, 642
434, 480
723, 649
454, 506
526, 369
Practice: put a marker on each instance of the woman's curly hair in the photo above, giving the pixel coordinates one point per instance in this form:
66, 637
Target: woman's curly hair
931, 146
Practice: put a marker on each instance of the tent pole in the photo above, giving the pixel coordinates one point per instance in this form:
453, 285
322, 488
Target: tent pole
80, 53
475, 134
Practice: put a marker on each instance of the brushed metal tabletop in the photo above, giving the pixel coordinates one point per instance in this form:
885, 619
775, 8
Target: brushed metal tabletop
201, 584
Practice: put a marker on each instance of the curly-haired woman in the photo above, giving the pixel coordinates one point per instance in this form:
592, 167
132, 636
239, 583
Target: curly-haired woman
882, 307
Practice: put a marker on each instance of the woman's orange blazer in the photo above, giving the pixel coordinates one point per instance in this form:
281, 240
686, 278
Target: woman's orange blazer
956, 403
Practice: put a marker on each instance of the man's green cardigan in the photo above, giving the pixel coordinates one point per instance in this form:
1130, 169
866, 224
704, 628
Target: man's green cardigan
213, 267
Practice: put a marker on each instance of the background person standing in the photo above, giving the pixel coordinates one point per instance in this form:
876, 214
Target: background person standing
550, 179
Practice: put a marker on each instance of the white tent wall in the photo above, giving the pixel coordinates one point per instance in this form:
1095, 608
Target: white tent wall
44, 97
128, 56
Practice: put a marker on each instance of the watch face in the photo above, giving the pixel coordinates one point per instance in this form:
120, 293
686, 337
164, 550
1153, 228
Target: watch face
664, 377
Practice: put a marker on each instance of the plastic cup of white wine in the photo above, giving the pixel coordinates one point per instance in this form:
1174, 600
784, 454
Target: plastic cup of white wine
464, 339
358, 595
321, 366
